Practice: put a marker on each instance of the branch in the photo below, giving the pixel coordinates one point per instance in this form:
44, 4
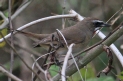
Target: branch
12, 39
113, 48
37, 21
9, 74
6, 21
102, 36
65, 62
70, 53
19, 56
92, 53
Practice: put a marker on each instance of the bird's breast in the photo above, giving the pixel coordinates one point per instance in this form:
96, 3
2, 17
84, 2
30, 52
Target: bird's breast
77, 47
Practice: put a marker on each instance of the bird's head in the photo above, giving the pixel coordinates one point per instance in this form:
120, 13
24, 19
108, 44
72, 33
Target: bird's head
98, 23
95, 24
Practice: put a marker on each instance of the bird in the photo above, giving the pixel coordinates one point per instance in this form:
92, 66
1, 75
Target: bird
80, 34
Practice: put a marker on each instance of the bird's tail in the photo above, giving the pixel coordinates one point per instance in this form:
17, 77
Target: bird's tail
35, 37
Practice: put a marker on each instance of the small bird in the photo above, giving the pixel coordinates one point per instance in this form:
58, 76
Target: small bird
80, 34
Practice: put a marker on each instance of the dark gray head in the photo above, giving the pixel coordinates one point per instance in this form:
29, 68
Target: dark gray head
94, 23
98, 23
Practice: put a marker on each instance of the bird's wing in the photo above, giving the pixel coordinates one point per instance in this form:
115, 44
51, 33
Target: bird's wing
45, 41
74, 35
71, 34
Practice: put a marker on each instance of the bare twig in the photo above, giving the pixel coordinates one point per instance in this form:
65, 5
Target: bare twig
62, 37
110, 61
115, 19
9, 74
12, 44
47, 76
63, 19
4, 18
20, 56
86, 72
38, 66
113, 48
71, 54
116, 13
121, 46
93, 52
78, 17
102, 36
105, 65
6, 21
37, 21
38, 59
65, 62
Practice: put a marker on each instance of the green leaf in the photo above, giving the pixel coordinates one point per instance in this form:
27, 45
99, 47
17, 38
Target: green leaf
87, 72
120, 76
4, 32
101, 79
54, 70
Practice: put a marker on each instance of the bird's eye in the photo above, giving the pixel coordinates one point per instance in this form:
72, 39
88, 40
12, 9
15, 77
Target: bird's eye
97, 23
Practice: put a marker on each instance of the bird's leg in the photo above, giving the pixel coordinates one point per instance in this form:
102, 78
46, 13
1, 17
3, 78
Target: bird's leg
45, 60
43, 63
55, 47
51, 48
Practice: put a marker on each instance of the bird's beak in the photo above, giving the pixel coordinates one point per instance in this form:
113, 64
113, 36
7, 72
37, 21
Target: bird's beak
105, 25
102, 25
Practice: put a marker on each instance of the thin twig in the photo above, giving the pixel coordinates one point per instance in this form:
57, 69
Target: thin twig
3, 70
4, 18
20, 56
12, 44
91, 54
105, 65
71, 54
37, 21
86, 72
38, 59
38, 66
113, 48
113, 21
102, 36
47, 76
63, 19
78, 17
65, 62
116, 13
6, 22
98, 47
62, 37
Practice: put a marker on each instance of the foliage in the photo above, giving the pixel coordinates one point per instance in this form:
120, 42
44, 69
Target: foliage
120, 76
4, 32
101, 79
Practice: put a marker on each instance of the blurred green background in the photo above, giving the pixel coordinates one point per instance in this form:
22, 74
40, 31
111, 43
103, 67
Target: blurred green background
101, 9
